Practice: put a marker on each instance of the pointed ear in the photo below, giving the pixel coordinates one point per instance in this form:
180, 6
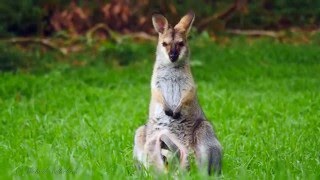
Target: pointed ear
160, 23
185, 22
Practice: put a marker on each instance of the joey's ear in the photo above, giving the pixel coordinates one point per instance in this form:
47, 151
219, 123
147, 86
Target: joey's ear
160, 23
185, 22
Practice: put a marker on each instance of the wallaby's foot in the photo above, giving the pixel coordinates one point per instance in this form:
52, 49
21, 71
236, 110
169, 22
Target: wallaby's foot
176, 115
168, 112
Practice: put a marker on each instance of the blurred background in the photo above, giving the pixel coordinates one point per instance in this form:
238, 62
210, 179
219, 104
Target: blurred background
76, 17
74, 25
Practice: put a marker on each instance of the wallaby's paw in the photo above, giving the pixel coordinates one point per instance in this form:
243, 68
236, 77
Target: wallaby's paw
168, 112
176, 115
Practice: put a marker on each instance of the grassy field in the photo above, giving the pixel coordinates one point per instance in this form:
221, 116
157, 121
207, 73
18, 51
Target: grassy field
74, 121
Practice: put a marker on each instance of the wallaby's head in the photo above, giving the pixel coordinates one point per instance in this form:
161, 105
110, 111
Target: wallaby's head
172, 43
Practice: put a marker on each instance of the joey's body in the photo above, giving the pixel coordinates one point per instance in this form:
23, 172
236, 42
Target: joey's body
175, 116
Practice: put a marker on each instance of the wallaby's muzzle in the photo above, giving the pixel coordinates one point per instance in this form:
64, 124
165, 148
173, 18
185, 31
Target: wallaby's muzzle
173, 55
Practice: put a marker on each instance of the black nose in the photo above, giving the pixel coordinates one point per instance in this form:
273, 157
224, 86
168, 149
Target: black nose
173, 56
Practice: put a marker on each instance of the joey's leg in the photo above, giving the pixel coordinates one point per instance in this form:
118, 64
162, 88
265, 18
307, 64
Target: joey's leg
139, 143
161, 147
174, 148
157, 95
187, 96
207, 148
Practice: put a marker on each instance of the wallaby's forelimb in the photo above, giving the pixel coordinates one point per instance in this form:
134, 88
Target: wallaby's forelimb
186, 97
157, 95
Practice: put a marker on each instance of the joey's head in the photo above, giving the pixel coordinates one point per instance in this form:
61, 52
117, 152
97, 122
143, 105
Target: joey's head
172, 42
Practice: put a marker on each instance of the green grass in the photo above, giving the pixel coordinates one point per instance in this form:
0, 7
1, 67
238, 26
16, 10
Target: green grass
262, 97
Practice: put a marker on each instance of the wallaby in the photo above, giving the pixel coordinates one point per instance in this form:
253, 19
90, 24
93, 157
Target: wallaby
175, 116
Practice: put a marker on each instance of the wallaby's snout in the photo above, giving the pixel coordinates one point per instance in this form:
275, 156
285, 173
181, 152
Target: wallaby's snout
173, 55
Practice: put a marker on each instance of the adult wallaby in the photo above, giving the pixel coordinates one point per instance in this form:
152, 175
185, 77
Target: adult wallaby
176, 120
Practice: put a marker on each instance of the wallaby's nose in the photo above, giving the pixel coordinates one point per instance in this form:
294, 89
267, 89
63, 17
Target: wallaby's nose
173, 56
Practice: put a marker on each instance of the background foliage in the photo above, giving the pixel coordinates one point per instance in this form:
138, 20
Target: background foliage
36, 17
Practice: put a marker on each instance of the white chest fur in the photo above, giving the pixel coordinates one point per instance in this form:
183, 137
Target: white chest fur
172, 81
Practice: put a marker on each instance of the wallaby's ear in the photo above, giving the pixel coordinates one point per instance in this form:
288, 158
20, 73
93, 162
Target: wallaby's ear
185, 22
160, 23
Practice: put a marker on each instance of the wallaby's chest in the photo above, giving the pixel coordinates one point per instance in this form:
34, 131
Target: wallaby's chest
171, 84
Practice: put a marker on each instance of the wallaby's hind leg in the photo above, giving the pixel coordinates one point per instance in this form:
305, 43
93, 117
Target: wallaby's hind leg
139, 142
207, 148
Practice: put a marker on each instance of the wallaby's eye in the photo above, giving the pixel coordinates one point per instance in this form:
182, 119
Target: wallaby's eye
164, 44
181, 43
